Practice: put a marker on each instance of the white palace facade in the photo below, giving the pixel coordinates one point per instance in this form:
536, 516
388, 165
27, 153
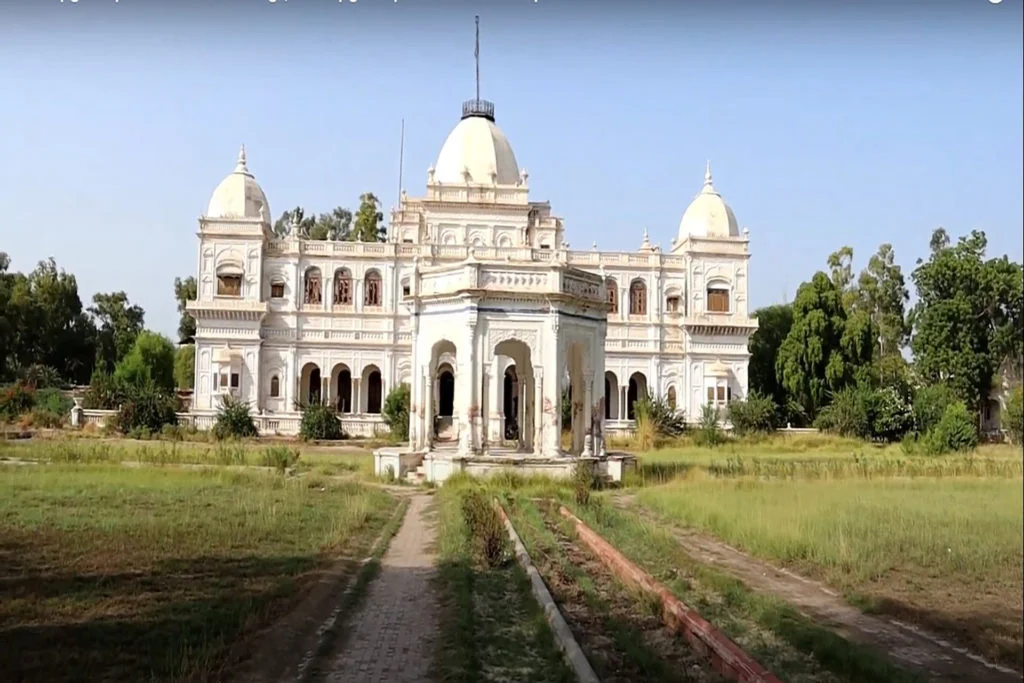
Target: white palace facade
283, 321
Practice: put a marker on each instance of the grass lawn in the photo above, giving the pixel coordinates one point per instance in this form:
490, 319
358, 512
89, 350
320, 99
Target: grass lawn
341, 460
491, 627
112, 573
945, 553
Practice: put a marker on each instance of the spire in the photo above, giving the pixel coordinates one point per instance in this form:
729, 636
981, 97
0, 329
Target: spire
240, 166
476, 106
708, 186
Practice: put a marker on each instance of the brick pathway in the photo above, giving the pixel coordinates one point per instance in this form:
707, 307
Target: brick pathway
391, 637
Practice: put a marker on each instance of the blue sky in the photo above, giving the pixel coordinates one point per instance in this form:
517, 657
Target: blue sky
826, 123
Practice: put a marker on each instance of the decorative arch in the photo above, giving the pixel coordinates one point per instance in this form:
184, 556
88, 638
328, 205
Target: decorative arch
341, 387
374, 383
611, 396
229, 276
505, 241
637, 391
310, 385
312, 289
342, 287
671, 397
638, 297
373, 289
611, 292
718, 296
673, 300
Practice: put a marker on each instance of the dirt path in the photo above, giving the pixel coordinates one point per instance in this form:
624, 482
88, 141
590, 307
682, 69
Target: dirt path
391, 637
905, 645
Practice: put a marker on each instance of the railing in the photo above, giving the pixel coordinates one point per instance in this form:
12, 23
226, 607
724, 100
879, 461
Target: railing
285, 424
478, 108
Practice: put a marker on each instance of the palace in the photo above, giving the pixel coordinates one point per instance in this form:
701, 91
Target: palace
476, 301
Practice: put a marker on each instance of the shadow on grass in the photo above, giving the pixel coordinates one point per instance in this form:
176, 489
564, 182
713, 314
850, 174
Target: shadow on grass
492, 628
179, 620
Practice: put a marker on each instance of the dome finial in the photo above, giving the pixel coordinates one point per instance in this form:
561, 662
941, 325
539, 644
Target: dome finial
707, 175
240, 166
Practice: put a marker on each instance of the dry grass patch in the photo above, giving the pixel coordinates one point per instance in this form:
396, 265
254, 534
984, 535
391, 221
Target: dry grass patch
140, 574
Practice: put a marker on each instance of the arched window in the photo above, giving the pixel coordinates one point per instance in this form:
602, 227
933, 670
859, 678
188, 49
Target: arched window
611, 291
342, 287
275, 387
372, 289
313, 290
672, 398
638, 298
718, 298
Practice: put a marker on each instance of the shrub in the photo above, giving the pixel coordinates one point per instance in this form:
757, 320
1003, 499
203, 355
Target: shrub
490, 540
583, 482
849, 413
709, 431
104, 392
892, 416
52, 408
320, 423
234, 421
279, 457
566, 406
185, 366
930, 405
956, 430
1013, 416
41, 377
146, 408
656, 418
396, 411
756, 415
16, 400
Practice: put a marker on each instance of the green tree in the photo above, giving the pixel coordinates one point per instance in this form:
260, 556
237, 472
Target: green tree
882, 292
368, 225
43, 322
821, 352
150, 362
185, 291
119, 323
283, 225
968, 320
840, 264
773, 325
334, 225
185, 366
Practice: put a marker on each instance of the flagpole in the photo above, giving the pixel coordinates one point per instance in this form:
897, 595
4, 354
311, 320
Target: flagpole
476, 55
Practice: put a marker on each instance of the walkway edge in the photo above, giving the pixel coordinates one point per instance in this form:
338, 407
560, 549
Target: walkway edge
563, 634
727, 657
327, 629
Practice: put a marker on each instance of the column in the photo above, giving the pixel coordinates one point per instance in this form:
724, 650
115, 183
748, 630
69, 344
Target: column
540, 423
428, 410
466, 390
496, 427
357, 402
524, 416
588, 415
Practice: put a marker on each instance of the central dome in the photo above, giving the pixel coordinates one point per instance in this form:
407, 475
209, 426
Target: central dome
476, 151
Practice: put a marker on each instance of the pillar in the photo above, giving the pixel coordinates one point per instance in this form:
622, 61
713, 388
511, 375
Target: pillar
466, 388
428, 410
357, 395
496, 391
588, 414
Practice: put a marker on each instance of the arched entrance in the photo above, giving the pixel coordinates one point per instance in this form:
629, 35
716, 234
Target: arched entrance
374, 389
342, 384
510, 404
637, 391
611, 396
310, 385
446, 392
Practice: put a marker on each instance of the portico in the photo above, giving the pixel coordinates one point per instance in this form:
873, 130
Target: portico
496, 341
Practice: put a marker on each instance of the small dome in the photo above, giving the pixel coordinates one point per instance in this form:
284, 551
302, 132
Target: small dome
476, 151
708, 215
239, 195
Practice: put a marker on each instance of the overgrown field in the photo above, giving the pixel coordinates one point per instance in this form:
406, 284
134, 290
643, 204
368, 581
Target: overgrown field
328, 461
942, 552
113, 573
